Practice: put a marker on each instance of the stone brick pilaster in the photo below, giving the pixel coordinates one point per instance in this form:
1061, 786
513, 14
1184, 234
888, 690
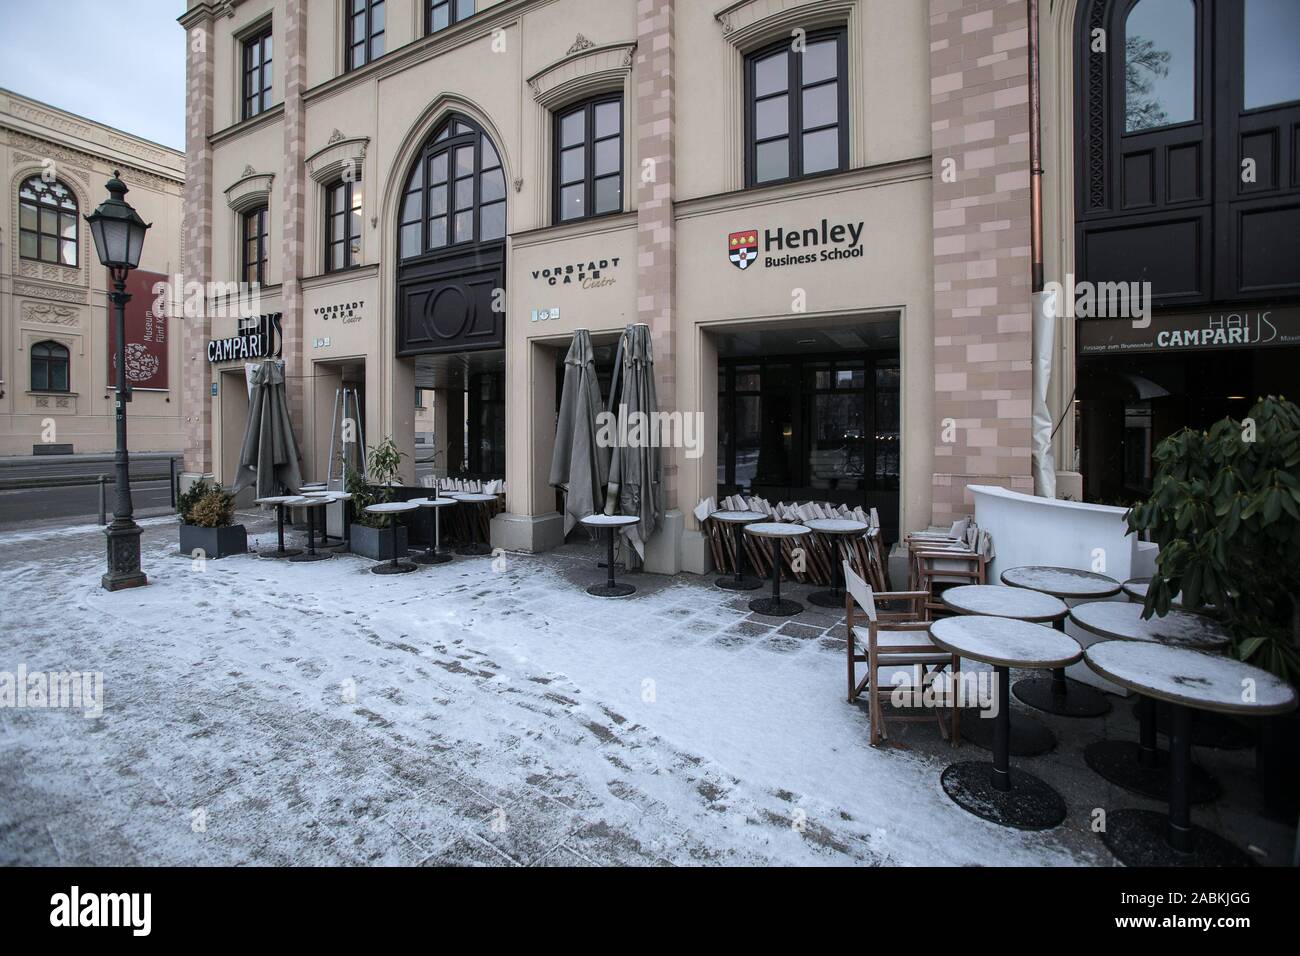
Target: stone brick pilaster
197, 234
293, 181
979, 103
656, 228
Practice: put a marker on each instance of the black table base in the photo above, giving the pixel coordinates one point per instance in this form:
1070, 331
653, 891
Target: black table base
312, 554
827, 598
1061, 696
431, 557
611, 590
1030, 804
747, 582
1124, 764
775, 607
1138, 838
1029, 738
281, 551
1216, 731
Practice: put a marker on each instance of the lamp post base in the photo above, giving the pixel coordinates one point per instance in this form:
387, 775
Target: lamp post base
123, 557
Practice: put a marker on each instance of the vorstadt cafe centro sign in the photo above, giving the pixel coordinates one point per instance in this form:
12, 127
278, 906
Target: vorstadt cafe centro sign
796, 246
1190, 332
588, 274
259, 339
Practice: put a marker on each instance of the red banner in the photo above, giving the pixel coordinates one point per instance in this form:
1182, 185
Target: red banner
146, 334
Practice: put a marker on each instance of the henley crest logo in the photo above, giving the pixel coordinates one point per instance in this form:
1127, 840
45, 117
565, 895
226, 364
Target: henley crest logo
742, 248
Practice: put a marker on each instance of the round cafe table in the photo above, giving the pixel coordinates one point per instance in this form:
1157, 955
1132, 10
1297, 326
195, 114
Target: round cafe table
997, 792
391, 509
1185, 680
1142, 767
475, 547
740, 581
345, 497
433, 553
775, 531
1029, 738
279, 501
835, 530
313, 507
611, 524
1058, 694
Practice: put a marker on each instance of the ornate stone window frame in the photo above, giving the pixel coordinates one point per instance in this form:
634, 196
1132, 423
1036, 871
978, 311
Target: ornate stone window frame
586, 70
342, 157
78, 275
749, 25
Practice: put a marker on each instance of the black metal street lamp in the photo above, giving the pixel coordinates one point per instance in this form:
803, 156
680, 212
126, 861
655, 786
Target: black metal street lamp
119, 237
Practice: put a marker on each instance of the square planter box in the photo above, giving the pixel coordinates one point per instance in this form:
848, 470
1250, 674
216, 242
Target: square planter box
379, 543
214, 542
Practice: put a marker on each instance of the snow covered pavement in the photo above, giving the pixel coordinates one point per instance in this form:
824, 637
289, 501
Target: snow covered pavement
263, 712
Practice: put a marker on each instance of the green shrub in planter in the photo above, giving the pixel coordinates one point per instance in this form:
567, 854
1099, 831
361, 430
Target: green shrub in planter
376, 536
1225, 510
206, 512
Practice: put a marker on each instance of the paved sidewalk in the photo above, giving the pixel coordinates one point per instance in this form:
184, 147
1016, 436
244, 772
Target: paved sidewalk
261, 712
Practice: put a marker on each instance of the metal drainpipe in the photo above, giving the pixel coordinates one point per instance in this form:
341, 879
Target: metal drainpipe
1035, 155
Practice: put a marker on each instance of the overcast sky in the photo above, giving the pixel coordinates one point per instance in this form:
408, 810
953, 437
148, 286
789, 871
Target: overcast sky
118, 62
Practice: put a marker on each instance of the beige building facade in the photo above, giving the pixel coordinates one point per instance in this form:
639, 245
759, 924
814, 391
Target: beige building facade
874, 348
55, 333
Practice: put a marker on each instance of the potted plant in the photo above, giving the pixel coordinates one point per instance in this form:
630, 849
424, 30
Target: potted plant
1225, 510
376, 536
206, 512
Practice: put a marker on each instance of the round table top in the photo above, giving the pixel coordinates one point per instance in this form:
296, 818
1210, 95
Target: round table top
998, 601
1122, 621
312, 486
838, 525
388, 507
1137, 589
471, 497
738, 517
775, 529
1180, 675
609, 521
1005, 642
434, 502
332, 495
275, 499
310, 501
1061, 582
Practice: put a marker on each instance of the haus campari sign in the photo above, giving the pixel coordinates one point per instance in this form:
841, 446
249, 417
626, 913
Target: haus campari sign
782, 246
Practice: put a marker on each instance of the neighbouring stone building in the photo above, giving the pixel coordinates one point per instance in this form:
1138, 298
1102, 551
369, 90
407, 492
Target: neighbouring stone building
821, 209
55, 334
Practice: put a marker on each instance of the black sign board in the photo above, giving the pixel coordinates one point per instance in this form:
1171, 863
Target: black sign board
1191, 332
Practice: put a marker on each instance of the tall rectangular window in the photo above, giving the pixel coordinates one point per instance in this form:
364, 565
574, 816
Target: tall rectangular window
257, 73
254, 246
363, 32
796, 111
440, 14
589, 159
343, 202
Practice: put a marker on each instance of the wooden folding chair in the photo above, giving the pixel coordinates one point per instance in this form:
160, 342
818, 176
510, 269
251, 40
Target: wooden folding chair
891, 638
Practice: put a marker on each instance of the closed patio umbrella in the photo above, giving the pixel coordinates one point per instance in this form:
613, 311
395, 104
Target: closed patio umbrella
636, 469
269, 454
579, 465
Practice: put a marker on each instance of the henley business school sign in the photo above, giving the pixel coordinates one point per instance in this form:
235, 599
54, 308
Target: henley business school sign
825, 242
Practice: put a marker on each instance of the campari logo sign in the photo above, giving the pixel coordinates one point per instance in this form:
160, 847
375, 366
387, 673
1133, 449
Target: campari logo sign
797, 246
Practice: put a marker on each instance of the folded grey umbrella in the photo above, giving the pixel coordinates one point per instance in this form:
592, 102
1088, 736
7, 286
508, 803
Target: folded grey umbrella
269, 454
636, 468
579, 464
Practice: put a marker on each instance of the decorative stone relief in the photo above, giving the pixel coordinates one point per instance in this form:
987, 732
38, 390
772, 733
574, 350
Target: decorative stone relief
580, 43
48, 314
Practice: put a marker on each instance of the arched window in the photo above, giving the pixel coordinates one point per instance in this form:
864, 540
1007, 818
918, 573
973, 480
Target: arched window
455, 194
49, 367
1159, 64
1186, 158
47, 222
